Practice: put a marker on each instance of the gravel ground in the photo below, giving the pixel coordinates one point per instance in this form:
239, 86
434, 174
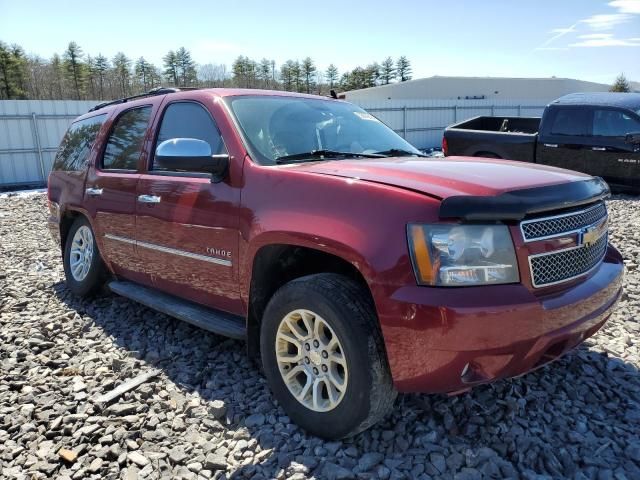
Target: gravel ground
209, 414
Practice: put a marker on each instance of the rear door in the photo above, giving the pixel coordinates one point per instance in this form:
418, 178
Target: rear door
562, 137
607, 154
110, 190
187, 226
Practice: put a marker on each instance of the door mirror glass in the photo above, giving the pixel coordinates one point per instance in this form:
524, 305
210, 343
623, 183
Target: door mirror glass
190, 155
632, 138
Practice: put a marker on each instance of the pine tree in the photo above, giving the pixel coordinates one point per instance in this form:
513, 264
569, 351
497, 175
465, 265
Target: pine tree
171, 67
57, 90
372, 74
621, 84
74, 68
296, 75
404, 69
388, 71
307, 71
12, 72
286, 75
265, 72
331, 75
100, 68
186, 67
121, 68
143, 71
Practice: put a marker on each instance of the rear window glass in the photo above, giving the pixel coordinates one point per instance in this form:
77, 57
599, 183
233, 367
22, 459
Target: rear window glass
125, 142
570, 122
73, 153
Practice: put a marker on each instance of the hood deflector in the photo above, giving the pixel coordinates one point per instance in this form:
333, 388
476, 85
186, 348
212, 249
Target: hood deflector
517, 204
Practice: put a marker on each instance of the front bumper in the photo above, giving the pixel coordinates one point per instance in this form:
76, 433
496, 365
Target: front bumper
443, 340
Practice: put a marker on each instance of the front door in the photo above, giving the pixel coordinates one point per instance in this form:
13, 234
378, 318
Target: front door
562, 138
110, 194
187, 226
607, 154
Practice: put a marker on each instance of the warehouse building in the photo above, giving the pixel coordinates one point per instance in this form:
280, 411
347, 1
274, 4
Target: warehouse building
537, 90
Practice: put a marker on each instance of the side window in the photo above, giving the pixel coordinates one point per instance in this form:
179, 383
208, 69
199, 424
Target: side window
569, 122
190, 120
125, 142
77, 143
613, 123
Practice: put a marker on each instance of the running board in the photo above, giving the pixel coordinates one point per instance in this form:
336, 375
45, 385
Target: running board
214, 321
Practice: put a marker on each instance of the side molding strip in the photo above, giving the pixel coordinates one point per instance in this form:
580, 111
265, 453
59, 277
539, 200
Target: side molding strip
172, 251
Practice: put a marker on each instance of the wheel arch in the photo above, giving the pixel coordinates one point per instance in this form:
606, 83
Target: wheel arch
275, 264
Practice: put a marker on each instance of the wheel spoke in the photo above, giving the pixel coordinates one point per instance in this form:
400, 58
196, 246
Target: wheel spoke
305, 390
290, 358
332, 392
287, 337
294, 372
309, 322
333, 378
338, 358
317, 393
77, 270
295, 329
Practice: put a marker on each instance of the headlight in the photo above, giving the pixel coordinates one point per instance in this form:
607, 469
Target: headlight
459, 255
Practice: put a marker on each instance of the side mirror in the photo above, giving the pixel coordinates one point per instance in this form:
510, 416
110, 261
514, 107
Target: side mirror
191, 155
632, 138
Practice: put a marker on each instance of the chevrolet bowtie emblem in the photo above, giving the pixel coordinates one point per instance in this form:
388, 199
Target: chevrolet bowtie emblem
591, 234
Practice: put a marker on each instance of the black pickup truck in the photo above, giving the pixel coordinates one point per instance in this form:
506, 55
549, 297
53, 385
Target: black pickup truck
595, 133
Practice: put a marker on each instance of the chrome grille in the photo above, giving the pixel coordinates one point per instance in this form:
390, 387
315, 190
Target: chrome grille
558, 225
564, 265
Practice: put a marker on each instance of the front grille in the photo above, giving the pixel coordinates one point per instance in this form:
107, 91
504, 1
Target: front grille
558, 225
563, 265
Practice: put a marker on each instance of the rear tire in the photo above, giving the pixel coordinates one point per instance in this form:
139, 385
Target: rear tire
324, 327
83, 268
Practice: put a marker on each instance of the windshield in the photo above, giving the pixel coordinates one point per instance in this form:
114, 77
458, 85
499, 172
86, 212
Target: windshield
279, 127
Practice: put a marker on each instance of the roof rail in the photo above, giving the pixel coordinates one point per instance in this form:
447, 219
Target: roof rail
150, 93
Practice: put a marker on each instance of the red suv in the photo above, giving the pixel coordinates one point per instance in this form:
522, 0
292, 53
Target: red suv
352, 266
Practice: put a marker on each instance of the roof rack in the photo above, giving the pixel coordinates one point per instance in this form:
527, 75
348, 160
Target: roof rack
150, 93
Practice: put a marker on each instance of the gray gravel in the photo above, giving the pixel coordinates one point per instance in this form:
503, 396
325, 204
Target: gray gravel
209, 414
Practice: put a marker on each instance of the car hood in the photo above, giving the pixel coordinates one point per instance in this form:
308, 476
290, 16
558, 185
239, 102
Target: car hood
443, 178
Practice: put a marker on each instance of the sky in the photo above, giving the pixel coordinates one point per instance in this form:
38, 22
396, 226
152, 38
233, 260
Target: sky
585, 39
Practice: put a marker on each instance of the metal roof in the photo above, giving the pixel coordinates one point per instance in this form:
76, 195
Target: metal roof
610, 99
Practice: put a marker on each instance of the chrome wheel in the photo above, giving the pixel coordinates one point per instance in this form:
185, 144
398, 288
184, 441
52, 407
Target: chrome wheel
311, 360
81, 254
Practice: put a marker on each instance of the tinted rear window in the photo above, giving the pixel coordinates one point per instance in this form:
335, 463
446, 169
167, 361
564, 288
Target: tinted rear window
570, 122
77, 143
125, 142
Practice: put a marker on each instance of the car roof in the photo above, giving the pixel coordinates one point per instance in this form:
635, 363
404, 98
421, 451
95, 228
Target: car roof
198, 94
609, 99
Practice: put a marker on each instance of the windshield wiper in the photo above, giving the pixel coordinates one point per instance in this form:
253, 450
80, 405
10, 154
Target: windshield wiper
323, 153
399, 152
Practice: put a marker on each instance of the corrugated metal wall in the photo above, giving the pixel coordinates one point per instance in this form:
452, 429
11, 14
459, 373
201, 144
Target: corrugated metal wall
30, 132
422, 122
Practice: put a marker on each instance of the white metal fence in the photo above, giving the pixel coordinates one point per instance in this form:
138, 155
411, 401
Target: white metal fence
30, 130
421, 122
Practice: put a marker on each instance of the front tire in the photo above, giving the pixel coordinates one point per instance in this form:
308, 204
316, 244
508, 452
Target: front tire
323, 356
83, 267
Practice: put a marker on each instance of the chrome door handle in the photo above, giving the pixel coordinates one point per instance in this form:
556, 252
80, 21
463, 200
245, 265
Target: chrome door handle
599, 149
93, 192
551, 145
148, 199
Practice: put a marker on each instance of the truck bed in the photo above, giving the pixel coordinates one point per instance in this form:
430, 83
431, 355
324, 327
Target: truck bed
500, 124
498, 137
